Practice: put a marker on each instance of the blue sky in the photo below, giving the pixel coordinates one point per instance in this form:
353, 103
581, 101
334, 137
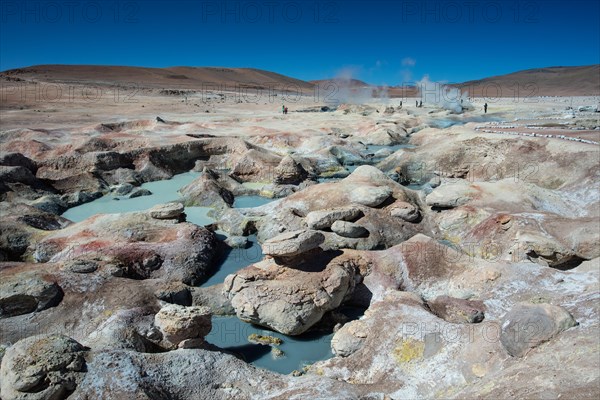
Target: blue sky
381, 42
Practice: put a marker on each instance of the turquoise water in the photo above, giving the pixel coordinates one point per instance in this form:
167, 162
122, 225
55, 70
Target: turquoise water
236, 259
372, 148
228, 332
442, 123
162, 192
198, 215
425, 187
232, 334
250, 201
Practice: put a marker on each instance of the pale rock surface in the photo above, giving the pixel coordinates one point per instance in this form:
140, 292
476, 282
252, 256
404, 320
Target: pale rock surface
293, 243
178, 323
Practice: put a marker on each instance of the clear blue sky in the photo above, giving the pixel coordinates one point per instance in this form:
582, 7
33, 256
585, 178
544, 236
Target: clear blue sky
377, 41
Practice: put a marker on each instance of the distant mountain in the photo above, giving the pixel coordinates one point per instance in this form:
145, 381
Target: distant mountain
182, 78
551, 81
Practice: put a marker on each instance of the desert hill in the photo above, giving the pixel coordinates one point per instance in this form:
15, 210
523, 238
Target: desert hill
182, 78
550, 81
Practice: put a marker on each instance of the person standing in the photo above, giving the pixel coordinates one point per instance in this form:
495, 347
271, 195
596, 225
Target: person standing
283, 109
485, 108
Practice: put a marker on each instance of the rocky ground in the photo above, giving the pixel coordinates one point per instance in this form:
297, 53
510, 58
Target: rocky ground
472, 249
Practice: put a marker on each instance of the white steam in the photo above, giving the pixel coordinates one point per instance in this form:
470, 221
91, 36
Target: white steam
443, 96
345, 88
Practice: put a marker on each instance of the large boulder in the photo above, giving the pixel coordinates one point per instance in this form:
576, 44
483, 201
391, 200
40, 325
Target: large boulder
42, 367
323, 219
291, 299
404, 210
289, 172
349, 229
206, 191
526, 326
349, 338
450, 195
370, 196
293, 243
255, 165
179, 323
166, 211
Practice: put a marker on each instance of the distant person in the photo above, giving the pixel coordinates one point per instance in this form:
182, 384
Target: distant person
285, 110
417, 103
485, 108
282, 109
400, 104
421, 104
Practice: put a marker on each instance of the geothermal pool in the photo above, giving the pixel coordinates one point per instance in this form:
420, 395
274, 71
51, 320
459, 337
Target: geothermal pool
459, 119
162, 192
231, 334
370, 149
228, 333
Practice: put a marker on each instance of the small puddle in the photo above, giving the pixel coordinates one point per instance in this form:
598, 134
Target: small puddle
232, 334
